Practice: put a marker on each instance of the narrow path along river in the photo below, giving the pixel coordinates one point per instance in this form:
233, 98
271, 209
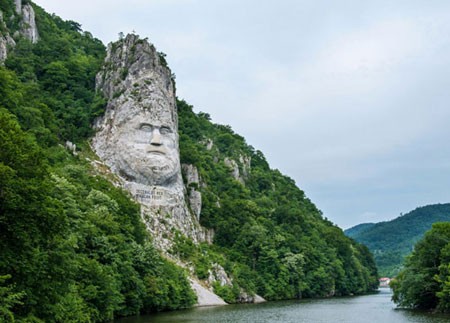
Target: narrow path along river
358, 309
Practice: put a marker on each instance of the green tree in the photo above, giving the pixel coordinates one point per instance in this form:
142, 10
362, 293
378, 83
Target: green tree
423, 283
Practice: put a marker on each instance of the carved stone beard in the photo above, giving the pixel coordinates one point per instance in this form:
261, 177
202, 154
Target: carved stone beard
148, 169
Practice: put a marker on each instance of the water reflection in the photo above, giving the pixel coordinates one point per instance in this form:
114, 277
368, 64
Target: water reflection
370, 308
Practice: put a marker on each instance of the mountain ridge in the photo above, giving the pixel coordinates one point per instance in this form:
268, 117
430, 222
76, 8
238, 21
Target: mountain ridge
391, 241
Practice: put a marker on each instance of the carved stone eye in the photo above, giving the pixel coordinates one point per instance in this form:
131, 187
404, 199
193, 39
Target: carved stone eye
146, 128
164, 130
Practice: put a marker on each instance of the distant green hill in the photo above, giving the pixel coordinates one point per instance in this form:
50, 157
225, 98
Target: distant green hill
391, 241
357, 229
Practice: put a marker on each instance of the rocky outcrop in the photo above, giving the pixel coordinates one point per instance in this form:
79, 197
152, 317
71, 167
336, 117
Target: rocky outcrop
138, 139
217, 274
209, 144
241, 170
28, 25
6, 40
191, 174
70, 146
3, 49
247, 298
204, 296
193, 183
245, 164
234, 168
28, 29
18, 4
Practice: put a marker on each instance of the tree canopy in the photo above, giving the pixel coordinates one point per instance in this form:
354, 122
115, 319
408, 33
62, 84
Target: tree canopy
424, 283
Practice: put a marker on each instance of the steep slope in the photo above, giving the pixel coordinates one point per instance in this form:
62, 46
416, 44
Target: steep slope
391, 241
75, 246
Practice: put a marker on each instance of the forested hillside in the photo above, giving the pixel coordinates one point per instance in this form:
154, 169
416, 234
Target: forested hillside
73, 247
391, 241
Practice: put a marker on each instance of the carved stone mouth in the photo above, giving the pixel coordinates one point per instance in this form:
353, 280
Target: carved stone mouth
156, 151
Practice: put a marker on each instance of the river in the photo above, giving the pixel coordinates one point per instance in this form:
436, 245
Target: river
368, 308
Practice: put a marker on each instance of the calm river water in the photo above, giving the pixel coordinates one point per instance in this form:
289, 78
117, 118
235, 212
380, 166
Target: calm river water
359, 309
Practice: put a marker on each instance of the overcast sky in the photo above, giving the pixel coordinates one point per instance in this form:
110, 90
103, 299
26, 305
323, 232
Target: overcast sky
348, 98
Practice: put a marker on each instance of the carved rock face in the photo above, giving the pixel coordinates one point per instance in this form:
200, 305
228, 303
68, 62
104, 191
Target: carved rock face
146, 150
138, 136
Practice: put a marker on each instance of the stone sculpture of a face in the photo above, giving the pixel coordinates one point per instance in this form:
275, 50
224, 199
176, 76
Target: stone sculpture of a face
138, 135
147, 150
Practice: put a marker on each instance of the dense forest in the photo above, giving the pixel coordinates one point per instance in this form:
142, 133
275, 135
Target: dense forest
73, 247
424, 283
392, 241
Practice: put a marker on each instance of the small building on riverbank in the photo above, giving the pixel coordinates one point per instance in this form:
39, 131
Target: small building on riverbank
384, 281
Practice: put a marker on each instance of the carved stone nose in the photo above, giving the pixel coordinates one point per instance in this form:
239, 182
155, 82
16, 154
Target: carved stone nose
156, 137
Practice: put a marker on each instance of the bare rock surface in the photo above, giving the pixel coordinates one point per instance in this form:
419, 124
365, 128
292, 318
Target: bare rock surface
204, 296
28, 25
193, 183
28, 28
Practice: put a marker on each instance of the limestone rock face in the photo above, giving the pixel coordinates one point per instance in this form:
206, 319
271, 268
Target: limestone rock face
191, 174
18, 4
242, 172
204, 296
138, 138
193, 182
209, 144
5, 43
217, 274
28, 25
3, 49
5, 40
28, 29
246, 165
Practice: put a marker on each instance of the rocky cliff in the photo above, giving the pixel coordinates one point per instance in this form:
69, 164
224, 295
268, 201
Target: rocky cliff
138, 138
10, 31
28, 28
